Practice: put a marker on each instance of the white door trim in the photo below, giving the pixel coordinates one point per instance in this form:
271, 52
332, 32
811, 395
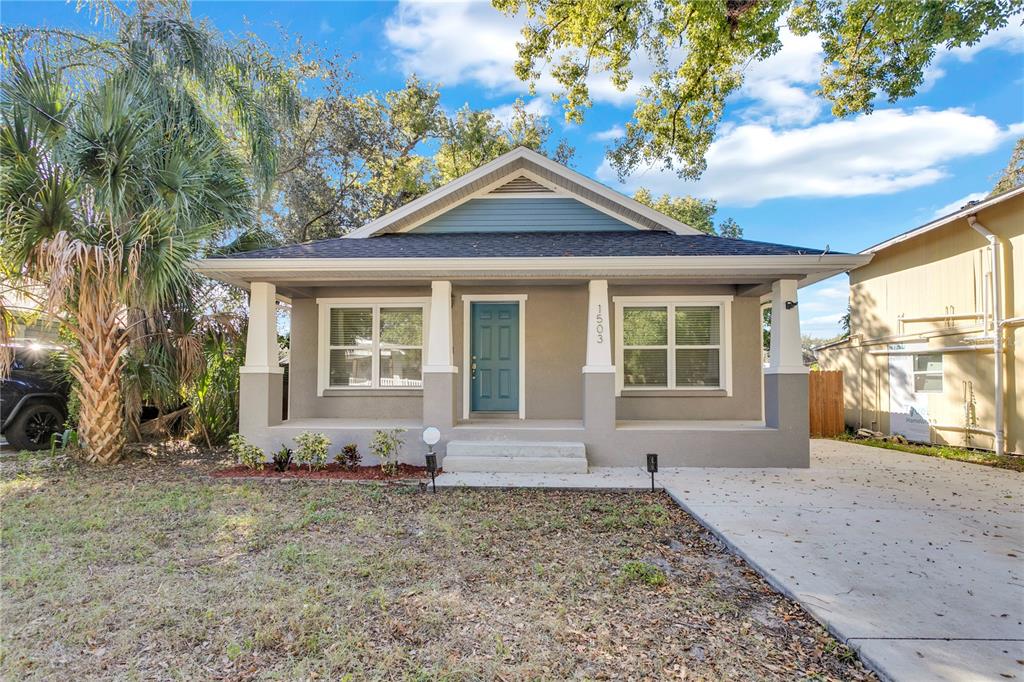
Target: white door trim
467, 322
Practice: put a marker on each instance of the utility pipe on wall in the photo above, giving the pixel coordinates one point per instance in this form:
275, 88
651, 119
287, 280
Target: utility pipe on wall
997, 328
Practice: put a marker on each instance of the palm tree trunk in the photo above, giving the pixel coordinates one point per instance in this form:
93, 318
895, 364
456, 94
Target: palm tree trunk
97, 367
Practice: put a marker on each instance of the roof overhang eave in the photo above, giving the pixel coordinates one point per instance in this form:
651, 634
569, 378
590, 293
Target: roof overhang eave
241, 271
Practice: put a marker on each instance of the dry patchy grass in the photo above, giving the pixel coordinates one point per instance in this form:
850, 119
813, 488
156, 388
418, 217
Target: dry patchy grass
152, 570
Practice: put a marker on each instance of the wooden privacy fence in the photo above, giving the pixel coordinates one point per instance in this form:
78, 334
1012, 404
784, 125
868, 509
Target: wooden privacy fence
825, 395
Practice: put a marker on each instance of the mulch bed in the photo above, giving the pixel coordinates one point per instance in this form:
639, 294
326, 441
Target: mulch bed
362, 473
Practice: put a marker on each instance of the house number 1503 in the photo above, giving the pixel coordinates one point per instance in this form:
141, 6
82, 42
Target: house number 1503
599, 323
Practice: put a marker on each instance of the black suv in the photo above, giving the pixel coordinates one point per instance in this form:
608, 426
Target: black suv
33, 401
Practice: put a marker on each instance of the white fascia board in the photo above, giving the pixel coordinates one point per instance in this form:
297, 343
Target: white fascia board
945, 220
375, 226
819, 267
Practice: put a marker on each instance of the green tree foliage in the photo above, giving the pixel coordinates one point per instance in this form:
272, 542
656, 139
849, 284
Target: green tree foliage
122, 159
697, 213
355, 157
699, 51
1012, 176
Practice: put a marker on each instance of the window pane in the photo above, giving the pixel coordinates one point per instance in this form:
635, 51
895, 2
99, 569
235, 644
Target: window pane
697, 367
645, 367
351, 326
645, 326
928, 362
351, 367
401, 367
697, 326
401, 326
928, 383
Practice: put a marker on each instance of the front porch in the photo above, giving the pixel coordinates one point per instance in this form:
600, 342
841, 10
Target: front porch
569, 389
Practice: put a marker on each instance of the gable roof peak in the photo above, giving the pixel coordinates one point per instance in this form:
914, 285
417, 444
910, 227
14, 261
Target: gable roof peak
521, 161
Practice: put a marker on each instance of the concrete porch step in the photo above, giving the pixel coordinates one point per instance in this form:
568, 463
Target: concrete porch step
516, 457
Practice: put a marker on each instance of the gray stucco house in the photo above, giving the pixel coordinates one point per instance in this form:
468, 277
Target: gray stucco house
542, 322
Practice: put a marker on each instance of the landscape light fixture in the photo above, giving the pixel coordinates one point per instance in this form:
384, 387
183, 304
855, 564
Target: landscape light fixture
652, 466
431, 435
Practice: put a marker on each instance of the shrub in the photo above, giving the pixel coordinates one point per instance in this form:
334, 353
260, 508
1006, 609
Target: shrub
349, 456
313, 449
385, 445
282, 458
245, 454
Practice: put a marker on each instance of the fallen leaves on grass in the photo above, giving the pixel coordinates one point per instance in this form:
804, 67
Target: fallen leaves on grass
152, 569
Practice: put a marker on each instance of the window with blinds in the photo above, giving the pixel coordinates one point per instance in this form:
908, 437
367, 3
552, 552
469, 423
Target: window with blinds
673, 345
375, 346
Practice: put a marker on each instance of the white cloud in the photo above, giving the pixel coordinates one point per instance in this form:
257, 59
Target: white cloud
325, 26
538, 106
612, 133
885, 152
471, 42
782, 87
954, 206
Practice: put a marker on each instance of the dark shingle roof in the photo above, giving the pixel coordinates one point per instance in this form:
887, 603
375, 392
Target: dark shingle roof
529, 245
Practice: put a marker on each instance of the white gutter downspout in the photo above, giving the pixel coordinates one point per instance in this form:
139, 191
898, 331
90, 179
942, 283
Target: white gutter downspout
997, 331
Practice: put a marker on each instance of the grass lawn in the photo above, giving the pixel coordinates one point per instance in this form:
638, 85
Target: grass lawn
150, 569
1011, 462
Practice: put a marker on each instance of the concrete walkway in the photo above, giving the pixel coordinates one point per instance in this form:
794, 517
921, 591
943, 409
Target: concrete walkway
915, 562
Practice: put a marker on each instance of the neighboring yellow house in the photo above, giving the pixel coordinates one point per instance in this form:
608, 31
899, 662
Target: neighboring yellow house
932, 315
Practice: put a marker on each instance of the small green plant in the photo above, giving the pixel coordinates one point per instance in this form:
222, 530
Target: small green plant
313, 449
349, 456
640, 572
282, 458
66, 440
385, 445
245, 454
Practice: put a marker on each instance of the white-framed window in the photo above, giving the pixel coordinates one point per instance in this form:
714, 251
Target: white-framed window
673, 343
367, 344
928, 373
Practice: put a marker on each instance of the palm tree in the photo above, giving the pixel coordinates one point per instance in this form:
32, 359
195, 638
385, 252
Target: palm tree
116, 173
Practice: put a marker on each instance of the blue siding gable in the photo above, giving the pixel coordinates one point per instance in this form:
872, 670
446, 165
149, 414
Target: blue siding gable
534, 214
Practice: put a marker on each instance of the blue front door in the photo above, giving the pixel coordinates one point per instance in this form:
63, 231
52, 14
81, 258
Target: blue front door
494, 357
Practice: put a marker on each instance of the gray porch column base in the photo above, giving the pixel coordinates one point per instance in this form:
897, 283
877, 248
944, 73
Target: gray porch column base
439, 399
786, 409
599, 402
259, 403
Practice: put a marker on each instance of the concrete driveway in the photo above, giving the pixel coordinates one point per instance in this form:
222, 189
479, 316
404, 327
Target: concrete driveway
915, 562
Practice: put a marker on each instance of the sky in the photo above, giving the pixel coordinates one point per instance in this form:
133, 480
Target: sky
782, 166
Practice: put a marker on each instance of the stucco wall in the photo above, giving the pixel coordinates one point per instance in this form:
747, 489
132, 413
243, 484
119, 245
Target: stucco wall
354, 404
555, 355
929, 275
746, 398
556, 346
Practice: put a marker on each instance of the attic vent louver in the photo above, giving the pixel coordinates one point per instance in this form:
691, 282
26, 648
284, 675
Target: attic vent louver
520, 185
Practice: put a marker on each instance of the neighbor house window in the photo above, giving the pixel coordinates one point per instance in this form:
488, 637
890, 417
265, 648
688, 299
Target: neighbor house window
928, 373
672, 345
372, 345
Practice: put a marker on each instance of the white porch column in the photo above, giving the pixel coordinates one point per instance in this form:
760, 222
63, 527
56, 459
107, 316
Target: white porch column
439, 342
261, 379
785, 378
439, 369
599, 338
785, 356
261, 340
599, 372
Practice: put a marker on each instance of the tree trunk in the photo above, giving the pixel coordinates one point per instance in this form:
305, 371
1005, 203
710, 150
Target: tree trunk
97, 367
